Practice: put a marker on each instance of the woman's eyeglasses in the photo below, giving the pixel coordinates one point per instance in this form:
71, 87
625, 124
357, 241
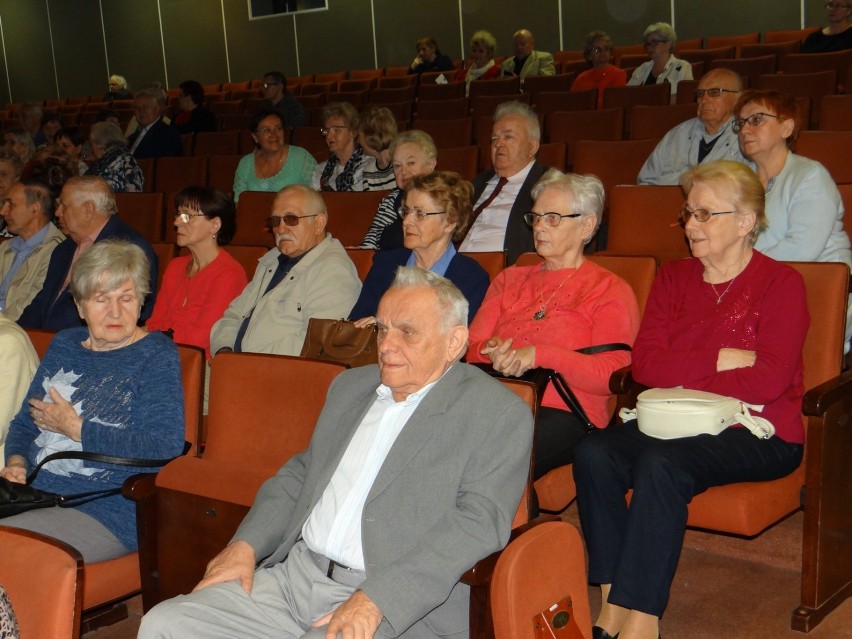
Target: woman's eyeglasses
291, 219
837, 5
653, 42
417, 214
325, 130
755, 119
269, 130
550, 219
186, 217
700, 215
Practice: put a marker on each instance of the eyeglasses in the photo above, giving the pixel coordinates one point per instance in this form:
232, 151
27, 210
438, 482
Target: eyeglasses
755, 119
600, 49
325, 130
266, 85
186, 217
653, 42
836, 5
550, 218
417, 214
269, 130
291, 219
715, 92
701, 215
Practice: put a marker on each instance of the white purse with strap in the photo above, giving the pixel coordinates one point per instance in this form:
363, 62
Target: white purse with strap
670, 413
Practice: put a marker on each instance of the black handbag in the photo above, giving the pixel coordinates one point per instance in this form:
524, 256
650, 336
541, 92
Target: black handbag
17, 498
542, 376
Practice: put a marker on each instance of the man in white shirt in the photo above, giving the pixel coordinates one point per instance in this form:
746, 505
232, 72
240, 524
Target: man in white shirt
502, 195
413, 474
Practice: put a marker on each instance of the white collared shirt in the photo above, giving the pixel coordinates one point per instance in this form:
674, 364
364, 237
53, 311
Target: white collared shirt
333, 528
488, 232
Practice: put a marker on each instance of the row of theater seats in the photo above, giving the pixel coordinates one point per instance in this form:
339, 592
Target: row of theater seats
189, 511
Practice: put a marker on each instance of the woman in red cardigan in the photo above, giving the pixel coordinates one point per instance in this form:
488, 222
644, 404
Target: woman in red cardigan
538, 316
198, 287
730, 321
482, 66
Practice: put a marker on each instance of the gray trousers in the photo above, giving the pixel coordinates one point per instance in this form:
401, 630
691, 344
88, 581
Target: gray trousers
285, 600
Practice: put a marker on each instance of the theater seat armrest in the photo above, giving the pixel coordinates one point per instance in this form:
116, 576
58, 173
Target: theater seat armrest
138, 487
835, 391
481, 573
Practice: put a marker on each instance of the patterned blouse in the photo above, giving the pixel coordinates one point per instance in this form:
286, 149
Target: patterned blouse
119, 168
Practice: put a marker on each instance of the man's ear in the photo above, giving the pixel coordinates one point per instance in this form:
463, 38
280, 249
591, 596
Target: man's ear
456, 342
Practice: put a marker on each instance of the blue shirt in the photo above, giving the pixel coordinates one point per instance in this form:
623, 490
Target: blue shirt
440, 267
22, 249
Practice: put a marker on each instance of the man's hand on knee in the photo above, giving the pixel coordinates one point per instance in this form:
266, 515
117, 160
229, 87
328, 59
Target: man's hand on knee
236, 562
356, 618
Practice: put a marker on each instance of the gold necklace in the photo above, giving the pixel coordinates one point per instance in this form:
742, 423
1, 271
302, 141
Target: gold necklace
541, 313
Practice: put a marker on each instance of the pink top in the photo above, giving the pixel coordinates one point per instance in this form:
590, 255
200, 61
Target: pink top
594, 307
609, 76
191, 305
764, 310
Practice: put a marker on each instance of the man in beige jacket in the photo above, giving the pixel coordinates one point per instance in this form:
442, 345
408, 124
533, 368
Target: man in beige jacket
28, 210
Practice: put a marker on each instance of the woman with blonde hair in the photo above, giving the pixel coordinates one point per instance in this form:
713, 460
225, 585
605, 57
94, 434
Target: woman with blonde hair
482, 67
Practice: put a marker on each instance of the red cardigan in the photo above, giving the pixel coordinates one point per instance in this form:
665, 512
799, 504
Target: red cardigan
765, 310
190, 306
594, 307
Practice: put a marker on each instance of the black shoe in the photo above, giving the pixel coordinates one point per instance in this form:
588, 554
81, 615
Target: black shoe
600, 633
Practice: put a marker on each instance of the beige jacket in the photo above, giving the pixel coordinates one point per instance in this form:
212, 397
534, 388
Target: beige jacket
18, 363
30, 277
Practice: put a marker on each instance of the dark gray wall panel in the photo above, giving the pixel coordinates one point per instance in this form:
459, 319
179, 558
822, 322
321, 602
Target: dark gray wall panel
258, 46
78, 43
399, 24
337, 39
27, 41
623, 20
134, 47
732, 17
194, 39
502, 19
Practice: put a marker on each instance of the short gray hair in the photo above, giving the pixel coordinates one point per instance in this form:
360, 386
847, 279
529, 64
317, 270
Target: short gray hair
104, 266
452, 304
94, 189
107, 135
522, 110
315, 202
420, 139
587, 193
664, 29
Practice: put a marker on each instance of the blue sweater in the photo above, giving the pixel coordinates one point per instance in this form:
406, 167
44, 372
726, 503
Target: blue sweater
131, 401
463, 271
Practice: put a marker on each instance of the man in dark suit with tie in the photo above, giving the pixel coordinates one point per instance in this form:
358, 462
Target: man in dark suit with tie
414, 473
152, 138
502, 195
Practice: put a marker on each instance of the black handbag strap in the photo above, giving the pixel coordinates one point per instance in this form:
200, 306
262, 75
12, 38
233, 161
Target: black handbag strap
603, 348
104, 459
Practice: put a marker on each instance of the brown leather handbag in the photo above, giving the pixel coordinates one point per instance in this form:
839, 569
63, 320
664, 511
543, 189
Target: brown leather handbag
340, 341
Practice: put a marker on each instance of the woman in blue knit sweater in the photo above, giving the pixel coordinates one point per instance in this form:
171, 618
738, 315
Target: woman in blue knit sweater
109, 388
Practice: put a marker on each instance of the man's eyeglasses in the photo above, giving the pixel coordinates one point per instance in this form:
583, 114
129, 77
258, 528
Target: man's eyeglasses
550, 219
755, 119
187, 217
269, 130
715, 92
701, 215
417, 214
291, 219
325, 130
266, 85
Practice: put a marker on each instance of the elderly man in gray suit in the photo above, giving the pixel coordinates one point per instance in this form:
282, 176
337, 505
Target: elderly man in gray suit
414, 473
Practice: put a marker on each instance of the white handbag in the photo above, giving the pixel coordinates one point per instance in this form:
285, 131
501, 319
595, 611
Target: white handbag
670, 413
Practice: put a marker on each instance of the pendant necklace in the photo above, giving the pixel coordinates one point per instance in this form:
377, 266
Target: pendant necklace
727, 288
541, 313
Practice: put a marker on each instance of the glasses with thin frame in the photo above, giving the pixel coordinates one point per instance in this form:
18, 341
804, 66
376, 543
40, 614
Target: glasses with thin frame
837, 5
416, 214
550, 218
700, 215
266, 85
269, 130
653, 42
291, 219
600, 49
714, 92
325, 130
185, 217
754, 120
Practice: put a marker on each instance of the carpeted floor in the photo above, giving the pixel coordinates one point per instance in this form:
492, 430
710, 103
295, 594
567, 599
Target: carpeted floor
725, 588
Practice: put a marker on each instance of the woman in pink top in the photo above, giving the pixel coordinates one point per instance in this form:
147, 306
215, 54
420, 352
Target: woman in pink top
598, 52
198, 287
538, 316
730, 321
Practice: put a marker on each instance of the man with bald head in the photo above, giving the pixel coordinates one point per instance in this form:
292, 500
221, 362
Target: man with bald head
527, 61
28, 210
705, 138
86, 214
307, 275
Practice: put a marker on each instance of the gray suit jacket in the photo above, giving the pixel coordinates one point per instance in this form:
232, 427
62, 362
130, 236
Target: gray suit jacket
444, 498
